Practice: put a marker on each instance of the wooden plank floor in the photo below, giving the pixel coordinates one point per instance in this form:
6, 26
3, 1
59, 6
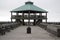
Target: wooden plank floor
20, 34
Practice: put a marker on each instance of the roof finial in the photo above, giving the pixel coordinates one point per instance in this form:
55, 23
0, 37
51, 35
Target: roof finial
28, 2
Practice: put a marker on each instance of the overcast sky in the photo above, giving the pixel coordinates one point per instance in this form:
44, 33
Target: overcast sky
52, 6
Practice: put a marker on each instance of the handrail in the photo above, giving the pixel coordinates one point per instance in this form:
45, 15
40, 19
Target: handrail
31, 16
57, 26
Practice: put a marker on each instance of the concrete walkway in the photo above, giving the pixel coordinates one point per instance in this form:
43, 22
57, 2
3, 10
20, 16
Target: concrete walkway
20, 34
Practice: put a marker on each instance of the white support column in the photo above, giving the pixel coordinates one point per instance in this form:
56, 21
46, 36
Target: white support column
23, 18
11, 17
34, 19
46, 17
40, 14
29, 19
17, 14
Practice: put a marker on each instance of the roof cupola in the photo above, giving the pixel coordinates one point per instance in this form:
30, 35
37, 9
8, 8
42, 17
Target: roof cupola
29, 2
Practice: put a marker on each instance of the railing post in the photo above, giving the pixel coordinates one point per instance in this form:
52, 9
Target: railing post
58, 32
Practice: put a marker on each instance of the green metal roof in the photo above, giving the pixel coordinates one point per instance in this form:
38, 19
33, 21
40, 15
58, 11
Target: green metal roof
29, 6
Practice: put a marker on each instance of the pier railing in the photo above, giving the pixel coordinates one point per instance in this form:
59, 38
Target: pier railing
8, 27
51, 28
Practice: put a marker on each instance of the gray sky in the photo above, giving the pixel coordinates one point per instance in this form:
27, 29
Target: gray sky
52, 6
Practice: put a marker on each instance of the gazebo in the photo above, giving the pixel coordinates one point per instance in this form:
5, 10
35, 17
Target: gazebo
29, 8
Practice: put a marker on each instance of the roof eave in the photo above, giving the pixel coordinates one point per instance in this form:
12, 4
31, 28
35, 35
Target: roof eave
33, 11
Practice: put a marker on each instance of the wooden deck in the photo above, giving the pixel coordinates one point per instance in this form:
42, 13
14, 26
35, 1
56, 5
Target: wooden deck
20, 34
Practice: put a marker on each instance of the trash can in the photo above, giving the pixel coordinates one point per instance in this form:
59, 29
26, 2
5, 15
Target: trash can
28, 30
